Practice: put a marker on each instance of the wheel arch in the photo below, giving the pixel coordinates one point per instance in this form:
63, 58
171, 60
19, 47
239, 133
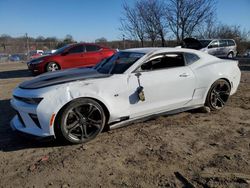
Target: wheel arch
222, 78
207, 98
106, 111
226, 79
231, 52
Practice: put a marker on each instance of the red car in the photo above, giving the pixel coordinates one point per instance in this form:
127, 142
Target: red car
70, 56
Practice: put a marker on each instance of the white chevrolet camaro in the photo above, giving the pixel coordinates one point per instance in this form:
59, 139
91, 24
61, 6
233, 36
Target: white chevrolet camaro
76, 104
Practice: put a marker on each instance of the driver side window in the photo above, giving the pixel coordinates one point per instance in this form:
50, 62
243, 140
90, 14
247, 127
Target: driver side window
165, 61
76, 49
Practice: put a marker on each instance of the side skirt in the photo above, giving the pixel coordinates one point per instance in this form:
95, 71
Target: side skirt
127, 122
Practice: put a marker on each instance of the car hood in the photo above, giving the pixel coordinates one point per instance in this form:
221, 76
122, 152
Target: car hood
60, 77
37, 59
192, 43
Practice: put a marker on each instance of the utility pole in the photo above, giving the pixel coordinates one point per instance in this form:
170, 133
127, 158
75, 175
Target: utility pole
123, 38
27, 44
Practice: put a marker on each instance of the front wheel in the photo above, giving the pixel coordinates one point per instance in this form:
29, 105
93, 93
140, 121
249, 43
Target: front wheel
218, 95
52, 66
81, 121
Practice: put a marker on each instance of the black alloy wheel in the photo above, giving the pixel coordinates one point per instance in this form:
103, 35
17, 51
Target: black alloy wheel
81, 121
218, 95
52, 66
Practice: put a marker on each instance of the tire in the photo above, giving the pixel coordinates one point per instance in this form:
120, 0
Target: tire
218, 95
80, 121
52, 66
230, 55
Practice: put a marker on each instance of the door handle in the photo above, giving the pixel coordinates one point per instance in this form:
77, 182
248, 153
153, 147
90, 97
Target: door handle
184, 75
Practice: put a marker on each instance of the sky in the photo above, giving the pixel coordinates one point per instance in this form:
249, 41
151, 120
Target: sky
87, 20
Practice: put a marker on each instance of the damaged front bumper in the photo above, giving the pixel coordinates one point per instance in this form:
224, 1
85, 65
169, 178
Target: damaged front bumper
26, 119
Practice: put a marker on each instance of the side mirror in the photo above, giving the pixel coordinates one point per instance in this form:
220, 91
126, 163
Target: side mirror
210, 46
146, 66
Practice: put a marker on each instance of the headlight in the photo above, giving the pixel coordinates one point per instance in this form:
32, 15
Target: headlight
29, 100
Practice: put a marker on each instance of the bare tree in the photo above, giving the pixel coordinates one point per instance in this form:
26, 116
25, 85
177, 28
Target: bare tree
132, 24
152, 14
230, 31
101, 40
68, 39
185, 16
206, 31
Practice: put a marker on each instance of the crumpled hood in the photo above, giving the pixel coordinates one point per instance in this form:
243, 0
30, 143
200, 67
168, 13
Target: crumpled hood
192, 43
60, 77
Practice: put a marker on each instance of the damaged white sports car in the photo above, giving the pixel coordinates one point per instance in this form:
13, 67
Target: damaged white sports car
75, 105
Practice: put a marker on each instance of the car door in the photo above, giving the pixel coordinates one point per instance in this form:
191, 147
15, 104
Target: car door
167, 84
72, 57
92, 55
213, 48
222, 50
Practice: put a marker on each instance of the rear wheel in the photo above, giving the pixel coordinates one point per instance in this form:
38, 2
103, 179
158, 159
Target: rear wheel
218, 95
52, 66
81, 121
230, 55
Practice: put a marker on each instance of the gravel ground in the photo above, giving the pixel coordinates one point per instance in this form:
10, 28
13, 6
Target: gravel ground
188, 149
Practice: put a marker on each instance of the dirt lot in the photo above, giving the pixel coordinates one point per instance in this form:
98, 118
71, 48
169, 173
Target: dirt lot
187, 149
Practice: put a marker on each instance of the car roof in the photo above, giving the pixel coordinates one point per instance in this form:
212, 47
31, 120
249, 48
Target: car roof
215, 39
154, 50
142, 50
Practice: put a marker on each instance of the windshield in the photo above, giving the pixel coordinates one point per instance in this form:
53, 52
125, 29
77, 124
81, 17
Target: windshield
118, 63
205, 43
60, 50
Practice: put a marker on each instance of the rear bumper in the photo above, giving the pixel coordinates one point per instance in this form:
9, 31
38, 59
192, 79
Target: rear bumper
235, 80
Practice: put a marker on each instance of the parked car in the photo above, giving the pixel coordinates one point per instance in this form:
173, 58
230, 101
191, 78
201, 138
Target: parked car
76, 104
4, 57
49, 52
71, 56
217, 47
15, 57
35, 53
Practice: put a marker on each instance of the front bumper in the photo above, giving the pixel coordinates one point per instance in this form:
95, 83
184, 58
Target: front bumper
35, 68
16, 124
25, 122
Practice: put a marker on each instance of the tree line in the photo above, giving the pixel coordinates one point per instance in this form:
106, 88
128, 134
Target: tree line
24, 43
148, 23
175, 19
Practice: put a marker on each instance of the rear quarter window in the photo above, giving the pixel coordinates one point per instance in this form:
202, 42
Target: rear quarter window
231, 43
92, 48
223, 43
190, 58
